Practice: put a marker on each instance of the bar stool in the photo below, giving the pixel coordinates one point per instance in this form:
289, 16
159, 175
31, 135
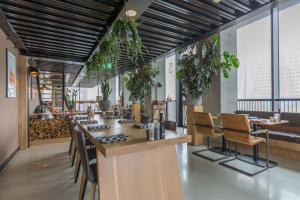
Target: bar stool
75, 156
237, 130
203, 124
89, 170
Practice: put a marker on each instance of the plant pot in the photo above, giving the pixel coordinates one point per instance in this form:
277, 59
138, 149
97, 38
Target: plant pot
192, 101
135, 101
72, 110
105, 105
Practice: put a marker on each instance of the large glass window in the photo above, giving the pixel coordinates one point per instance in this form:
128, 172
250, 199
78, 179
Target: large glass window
254, 53
289, 52
88, 94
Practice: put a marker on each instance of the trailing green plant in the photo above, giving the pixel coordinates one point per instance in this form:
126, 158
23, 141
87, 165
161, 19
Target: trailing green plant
196, 71
123, 35
140, 81
70, 100
106, 90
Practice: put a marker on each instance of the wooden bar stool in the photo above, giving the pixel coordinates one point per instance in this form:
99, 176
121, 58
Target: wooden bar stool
89, 170
203, 124
237, 130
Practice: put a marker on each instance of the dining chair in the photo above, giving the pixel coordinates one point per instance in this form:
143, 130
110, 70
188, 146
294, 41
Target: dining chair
89, 172
75, 156
203, 124
237, 130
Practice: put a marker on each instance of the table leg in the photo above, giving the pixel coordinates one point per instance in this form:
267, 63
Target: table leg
255, 153
223, 144
255, 147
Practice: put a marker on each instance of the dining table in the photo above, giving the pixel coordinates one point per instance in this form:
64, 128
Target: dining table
136, 168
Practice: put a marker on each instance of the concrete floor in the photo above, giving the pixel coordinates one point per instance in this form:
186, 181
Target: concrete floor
44, 173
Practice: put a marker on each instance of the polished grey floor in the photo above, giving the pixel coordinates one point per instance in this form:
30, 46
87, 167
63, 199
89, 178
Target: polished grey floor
44, 173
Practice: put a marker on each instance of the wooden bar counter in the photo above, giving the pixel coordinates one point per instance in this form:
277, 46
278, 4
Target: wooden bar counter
136, 169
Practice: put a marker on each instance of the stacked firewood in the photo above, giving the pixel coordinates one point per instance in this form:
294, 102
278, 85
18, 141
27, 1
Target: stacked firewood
48, 129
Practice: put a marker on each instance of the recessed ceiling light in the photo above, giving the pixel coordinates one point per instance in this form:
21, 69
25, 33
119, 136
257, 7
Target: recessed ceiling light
216, 1
131, 13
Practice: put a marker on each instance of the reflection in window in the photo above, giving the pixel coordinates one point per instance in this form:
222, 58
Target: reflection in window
254, 53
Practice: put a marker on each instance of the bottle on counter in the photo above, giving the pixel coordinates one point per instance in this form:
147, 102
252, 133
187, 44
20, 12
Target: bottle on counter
162, 134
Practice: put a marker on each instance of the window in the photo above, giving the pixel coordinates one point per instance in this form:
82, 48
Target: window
170, 68
88, 94
254, 53
289, 54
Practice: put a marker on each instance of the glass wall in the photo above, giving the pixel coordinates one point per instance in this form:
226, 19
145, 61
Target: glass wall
254, 53
289, 52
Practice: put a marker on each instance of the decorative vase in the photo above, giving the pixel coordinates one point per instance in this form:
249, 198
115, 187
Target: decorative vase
104, 105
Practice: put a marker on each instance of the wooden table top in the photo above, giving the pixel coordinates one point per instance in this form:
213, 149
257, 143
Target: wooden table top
267, 122
259, 121
137, 138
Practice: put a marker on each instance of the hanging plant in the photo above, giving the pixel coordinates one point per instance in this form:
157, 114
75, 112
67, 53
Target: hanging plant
140, 81
126, 30
123, 35
197, 70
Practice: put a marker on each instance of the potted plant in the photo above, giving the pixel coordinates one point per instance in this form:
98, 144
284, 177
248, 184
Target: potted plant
140, 81
106, 91
196, 71
70, 100
90, 112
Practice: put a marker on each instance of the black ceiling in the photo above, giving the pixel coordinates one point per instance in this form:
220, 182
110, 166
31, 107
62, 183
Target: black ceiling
60, 29
167, 24
70, 29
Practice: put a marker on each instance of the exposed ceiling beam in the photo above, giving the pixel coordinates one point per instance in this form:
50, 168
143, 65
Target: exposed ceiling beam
58, 60
10, 32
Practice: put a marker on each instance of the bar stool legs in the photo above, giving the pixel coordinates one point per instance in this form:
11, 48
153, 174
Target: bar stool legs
77, 168
73, 157
71, 146
92, 191
83, 184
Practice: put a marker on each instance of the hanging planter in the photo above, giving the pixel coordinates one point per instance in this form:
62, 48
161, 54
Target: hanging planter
123, 35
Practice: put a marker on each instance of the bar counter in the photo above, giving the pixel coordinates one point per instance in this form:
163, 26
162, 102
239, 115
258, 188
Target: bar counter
136, 169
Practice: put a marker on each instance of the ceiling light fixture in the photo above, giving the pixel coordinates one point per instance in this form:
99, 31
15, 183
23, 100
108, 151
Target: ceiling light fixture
131, 13
216, 1
33, 71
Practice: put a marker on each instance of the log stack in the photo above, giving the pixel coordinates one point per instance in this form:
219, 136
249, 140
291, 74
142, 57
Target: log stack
48, 129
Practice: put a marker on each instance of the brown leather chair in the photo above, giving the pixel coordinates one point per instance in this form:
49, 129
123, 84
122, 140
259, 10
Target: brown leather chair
203, 124
237, 129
